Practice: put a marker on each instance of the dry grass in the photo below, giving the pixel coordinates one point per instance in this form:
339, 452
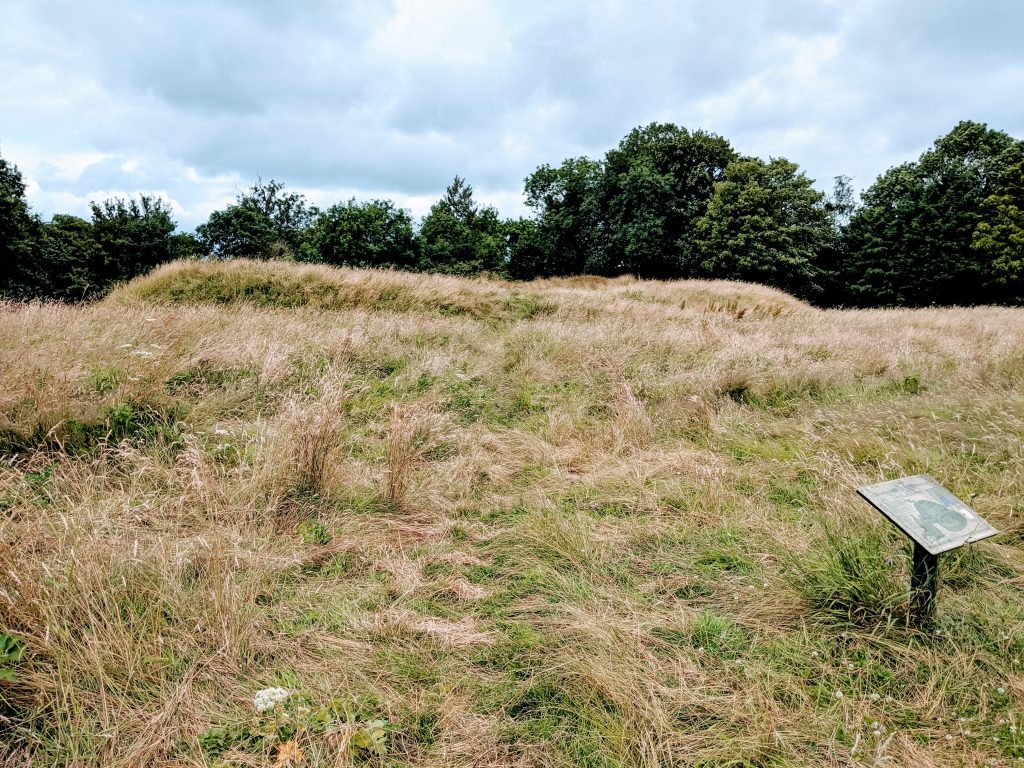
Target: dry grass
572, 522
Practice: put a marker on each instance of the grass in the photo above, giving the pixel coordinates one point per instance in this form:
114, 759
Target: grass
467, 522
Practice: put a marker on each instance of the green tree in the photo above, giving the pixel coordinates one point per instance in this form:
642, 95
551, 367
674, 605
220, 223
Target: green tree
766, 224
459, 236
264, 222
372, 234
656, 185
566, 202
528, 250
19, 237
999, 237
912, 240
72, 263
134, 236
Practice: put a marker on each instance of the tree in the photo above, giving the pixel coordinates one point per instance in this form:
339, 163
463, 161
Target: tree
656, 185
264, 222
373, 234
912, 240
134, 236
73, 263
528, 251
459, 236
766, 224
566, 201
19, 236
999, 238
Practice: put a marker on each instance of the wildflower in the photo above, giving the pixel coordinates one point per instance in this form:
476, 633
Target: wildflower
876, 732
268, 698
949, 737
874, 697
961, 719
1000, 690
838, 694
814, 654
967, 732
849, 666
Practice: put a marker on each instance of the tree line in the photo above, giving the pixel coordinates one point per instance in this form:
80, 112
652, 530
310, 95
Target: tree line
666, 203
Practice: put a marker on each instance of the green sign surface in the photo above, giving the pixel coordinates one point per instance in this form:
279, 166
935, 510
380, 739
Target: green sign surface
927, 513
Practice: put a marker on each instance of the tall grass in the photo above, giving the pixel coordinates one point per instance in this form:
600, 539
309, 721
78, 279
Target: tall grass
467, 522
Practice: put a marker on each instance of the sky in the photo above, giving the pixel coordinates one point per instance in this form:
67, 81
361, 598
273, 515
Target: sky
194, 100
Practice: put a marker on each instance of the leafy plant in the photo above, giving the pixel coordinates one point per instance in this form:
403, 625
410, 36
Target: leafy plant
11, 651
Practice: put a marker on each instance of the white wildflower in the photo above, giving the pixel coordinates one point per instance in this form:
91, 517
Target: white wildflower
1000, 690
876, 732
838, 694
268, 698
874, 697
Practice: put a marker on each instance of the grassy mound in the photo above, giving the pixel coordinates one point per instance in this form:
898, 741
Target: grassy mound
573, 522
265, 284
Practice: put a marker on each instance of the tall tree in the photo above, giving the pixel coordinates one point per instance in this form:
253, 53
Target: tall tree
134, 236
657, 184
459, 236
528, 250
264, 222
372, 234
19, 235
911, 241
766, 224
566, 202
999, 237
73, 264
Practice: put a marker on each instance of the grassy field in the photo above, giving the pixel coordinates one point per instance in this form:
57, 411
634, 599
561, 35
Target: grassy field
472, 523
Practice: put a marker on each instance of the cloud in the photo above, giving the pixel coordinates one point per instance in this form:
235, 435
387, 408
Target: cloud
194, 100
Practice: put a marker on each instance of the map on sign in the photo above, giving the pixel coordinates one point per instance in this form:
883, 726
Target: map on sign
927, 513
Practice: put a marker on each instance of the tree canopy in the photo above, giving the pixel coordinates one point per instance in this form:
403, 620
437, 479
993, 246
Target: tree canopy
264, 222
766, 223
665, 202
913, 240
372, 234
460, 236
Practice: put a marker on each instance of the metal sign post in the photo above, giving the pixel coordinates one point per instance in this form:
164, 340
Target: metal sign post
924, 585
936, 521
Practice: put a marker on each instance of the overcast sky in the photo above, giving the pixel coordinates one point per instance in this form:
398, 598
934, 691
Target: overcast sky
192, 100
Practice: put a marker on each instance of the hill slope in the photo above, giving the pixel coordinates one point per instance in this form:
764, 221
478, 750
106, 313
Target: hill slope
580, 522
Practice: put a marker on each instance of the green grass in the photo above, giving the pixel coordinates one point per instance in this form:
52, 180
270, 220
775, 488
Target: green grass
579, 522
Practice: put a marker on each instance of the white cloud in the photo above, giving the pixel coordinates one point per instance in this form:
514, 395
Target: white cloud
367, 99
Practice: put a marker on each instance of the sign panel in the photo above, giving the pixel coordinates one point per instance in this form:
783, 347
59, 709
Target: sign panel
927, 513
